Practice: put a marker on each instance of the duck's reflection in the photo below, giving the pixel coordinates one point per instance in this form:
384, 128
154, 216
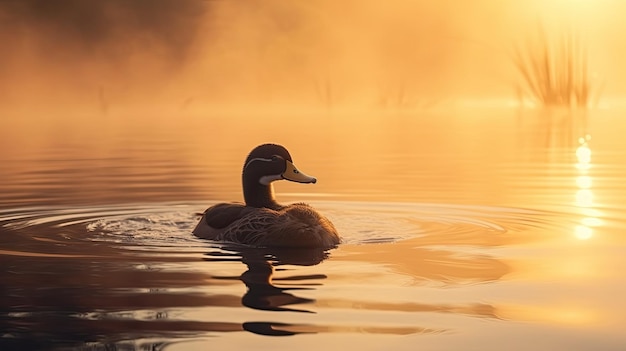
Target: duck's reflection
262, 294
259, 278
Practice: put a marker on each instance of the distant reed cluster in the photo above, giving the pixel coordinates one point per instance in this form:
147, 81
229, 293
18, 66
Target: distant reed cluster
554, 72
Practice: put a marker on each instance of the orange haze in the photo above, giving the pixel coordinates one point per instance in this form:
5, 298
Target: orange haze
185, 55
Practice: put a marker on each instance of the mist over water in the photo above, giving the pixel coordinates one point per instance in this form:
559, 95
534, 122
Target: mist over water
197, 54
65, 51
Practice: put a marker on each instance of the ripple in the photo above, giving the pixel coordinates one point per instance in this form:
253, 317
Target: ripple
136, 269
81, 231
144, 227
387, 222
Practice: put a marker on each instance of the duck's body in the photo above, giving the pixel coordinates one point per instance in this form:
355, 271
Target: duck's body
261, 221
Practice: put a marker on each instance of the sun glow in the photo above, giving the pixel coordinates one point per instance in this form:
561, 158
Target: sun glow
566, 9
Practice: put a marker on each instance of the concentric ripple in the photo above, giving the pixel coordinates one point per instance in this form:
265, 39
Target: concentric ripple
77, 231
138, 227
443, 223
135, 271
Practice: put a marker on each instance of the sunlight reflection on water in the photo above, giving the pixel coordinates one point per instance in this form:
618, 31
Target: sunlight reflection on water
584, 196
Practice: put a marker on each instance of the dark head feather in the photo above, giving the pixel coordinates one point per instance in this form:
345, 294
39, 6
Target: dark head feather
267, 151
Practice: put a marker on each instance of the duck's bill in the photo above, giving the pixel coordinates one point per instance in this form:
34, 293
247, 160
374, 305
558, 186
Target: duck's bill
293, 174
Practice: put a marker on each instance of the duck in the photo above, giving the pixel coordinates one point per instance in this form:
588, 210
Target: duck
261, 221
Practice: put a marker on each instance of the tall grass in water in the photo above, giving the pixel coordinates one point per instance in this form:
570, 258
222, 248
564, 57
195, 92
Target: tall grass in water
554, 72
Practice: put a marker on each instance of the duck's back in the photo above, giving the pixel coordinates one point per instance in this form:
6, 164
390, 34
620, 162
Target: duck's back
219, 217
299, 225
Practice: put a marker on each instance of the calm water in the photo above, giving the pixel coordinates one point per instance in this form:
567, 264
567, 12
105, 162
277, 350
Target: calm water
463, 230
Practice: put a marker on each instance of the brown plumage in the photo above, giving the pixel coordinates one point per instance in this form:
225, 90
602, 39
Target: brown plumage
261, 221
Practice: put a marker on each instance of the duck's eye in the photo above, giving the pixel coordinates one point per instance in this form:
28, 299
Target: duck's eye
296, 171
274, 158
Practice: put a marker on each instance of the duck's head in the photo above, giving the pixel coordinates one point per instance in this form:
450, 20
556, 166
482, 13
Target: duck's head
270, 162
265, 164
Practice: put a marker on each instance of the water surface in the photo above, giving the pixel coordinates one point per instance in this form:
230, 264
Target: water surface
462, 230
